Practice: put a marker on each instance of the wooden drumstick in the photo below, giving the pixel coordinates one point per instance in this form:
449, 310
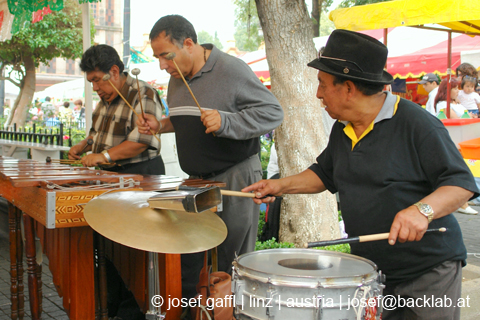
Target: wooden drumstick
106, 77
226, 192
171, 56
136, 72
366, 238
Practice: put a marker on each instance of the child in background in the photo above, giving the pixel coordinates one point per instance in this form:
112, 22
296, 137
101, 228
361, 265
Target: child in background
468, 97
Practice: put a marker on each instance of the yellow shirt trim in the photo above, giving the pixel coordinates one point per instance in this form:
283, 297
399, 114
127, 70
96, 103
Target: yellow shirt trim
351, 133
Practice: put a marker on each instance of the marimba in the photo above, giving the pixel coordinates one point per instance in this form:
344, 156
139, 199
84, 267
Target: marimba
52, 197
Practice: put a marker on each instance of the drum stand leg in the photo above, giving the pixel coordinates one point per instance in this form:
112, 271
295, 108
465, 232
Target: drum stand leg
154, 312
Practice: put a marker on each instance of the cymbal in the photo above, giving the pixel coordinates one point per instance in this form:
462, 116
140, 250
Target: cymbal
125, 217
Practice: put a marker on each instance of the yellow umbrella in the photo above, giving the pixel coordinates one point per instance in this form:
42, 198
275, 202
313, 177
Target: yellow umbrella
457, 16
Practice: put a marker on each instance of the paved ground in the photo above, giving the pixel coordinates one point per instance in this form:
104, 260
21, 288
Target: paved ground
52, 304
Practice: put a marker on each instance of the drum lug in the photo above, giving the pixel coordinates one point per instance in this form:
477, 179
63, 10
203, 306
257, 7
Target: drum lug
270, 306
318, 307
381, 277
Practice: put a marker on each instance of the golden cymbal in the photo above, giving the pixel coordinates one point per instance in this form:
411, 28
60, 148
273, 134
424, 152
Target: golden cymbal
125, 217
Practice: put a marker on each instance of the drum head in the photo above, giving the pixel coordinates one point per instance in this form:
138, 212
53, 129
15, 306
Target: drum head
287, 264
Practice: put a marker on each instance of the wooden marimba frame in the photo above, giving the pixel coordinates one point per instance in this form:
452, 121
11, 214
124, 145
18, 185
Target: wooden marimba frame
56, 216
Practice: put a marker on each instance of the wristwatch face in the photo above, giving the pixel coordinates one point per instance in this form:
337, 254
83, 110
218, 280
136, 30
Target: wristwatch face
425, 208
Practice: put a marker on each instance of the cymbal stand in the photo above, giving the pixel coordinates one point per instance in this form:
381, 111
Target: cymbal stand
154, 311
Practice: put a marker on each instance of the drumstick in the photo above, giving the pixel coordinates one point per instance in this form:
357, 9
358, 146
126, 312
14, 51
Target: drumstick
106, 77
136, 72
171, 56
226, 192
366, 238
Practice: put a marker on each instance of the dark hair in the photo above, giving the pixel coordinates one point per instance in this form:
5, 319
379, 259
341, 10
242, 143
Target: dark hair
368, 89
78, 102
442, 90
101, 57
467, 70
176, 27
66, 104
469, 79
47, 98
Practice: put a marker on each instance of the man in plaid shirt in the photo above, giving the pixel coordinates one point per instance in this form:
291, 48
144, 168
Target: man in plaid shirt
114, 133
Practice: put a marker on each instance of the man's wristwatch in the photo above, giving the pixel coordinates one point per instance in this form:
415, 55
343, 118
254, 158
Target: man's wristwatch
425, 209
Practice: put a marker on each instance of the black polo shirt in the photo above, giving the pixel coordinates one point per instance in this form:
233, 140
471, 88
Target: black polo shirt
406, 156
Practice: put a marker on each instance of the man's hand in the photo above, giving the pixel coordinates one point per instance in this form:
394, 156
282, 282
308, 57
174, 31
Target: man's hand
74, 152
263, 188
148, 123
408, 225
93, 160
211, 120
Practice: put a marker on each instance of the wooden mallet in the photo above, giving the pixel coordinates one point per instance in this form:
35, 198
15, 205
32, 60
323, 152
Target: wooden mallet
106, 77
136, 72
171, 56
366, 238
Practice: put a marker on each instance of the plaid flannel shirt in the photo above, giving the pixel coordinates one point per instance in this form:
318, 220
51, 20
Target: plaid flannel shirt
114, 122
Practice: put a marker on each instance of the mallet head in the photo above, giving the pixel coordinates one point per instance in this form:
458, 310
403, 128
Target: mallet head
135, 71
170, 56
106, 77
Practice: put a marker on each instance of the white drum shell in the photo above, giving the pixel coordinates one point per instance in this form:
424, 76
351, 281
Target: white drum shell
273, 291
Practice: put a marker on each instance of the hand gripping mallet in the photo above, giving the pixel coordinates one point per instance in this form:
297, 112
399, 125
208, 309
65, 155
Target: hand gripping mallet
107, 78
136, 72
366, 238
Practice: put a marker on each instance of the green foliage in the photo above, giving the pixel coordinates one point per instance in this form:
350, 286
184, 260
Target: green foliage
261, 223
248, 35
205, 37
266, 142
352, 3
326, 25
59, 34
272, 244
345, 248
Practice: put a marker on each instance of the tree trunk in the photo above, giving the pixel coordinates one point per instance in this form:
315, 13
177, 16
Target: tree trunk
24, 99
316, 7
301, 137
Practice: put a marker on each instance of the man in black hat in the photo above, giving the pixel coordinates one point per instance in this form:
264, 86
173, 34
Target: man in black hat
396, 170
430, 84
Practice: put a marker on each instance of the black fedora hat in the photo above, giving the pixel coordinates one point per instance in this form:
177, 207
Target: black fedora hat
354, 56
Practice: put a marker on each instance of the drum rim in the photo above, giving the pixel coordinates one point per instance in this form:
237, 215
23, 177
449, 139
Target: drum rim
299, 250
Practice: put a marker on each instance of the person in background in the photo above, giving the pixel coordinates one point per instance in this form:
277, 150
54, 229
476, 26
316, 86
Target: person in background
465, 69
440, 101
81, 109
65, 113
430, 83
221, 141
396, 170
467, 97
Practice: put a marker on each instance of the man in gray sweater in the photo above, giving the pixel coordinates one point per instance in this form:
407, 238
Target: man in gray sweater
221, 142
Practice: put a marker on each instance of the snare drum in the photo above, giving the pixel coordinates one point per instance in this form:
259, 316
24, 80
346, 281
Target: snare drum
286, 284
